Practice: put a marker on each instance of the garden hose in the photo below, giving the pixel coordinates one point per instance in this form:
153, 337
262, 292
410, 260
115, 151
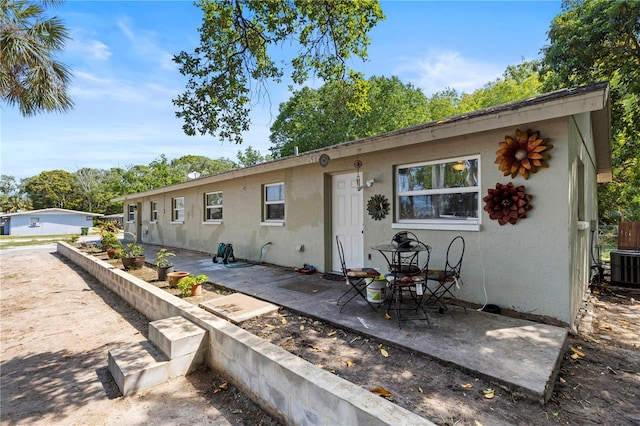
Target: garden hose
248, 263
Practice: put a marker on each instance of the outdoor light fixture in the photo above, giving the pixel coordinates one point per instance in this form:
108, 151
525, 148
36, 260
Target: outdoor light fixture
367, 184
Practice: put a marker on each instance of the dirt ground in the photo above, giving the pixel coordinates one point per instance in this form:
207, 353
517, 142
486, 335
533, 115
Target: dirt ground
57, 326
601, 387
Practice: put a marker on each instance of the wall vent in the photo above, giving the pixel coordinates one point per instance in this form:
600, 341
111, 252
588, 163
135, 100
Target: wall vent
625, 268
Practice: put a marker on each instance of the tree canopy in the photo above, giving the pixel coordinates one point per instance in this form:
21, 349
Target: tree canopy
30, 76
595, 40
93, 189
234, 62
315, 118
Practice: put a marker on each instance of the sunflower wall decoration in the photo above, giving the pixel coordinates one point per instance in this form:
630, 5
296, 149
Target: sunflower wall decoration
378, 207
523, 154
507, 203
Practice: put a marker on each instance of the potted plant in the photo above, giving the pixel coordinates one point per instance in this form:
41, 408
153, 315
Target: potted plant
109, 239
163, 264
192, 286
133, 255
114, 251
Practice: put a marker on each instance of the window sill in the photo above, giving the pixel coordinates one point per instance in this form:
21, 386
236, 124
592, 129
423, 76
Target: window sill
212, 222
474, 227
271, 223
177, 223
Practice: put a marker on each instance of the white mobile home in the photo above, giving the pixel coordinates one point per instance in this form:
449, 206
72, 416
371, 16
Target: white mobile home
437, 179
50, 221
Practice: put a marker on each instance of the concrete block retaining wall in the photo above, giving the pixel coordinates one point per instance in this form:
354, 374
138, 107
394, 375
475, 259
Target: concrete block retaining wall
287, 386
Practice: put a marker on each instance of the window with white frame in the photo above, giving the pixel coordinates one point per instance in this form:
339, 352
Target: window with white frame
131, 212
154, 211
274, 202
213, 206
177, 209
439, 192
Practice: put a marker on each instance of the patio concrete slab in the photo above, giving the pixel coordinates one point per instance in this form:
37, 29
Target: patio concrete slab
238, 307
522, 355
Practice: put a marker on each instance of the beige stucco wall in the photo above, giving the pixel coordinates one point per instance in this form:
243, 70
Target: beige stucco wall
583, 207
241, 225
521, 267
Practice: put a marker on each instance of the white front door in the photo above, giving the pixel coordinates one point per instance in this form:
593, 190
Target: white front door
346, 213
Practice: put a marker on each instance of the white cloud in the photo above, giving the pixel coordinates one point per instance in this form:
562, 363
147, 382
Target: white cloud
145, 44
438, 70
91, 48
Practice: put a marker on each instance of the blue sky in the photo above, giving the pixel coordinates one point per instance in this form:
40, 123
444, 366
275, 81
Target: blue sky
124, 78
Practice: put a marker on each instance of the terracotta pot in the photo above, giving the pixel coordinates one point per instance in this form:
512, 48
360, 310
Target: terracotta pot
176, 276
196, 290
112, 252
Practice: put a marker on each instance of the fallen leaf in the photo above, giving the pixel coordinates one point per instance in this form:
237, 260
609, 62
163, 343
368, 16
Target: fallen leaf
420, 389
270, 325
302, 328
387, 316
283, 320
488, 393
380, 391
467, 386
577, 352
562, 380
349, 363
220, 388
331, 333
575, 356
384, 353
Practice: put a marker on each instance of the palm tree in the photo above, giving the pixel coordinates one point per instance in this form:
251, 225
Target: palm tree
29, 74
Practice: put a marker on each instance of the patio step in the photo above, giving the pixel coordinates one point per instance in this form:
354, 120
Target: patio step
175, 349
176, 336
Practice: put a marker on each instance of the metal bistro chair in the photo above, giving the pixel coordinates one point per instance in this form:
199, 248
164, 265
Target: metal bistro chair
447, 279
407, 279
356, 278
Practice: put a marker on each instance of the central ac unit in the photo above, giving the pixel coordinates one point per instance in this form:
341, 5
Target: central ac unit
625, 268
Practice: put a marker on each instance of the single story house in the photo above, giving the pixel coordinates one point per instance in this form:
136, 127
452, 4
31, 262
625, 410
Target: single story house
51, 221
118, 217
438, 180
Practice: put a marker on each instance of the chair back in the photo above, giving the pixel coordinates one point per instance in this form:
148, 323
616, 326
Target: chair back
341, 255
424, 270
455, 253
404, 239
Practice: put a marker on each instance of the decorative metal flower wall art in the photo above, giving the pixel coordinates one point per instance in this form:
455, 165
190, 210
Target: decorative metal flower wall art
523, 154
507, 203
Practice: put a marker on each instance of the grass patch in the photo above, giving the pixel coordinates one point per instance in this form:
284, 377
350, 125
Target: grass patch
7, 241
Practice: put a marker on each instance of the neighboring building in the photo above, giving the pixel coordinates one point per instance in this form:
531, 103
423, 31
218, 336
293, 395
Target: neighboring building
118, 217
51, 221
435, 177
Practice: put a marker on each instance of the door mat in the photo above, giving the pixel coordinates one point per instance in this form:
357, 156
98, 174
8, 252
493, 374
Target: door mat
333, 277
306, 288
